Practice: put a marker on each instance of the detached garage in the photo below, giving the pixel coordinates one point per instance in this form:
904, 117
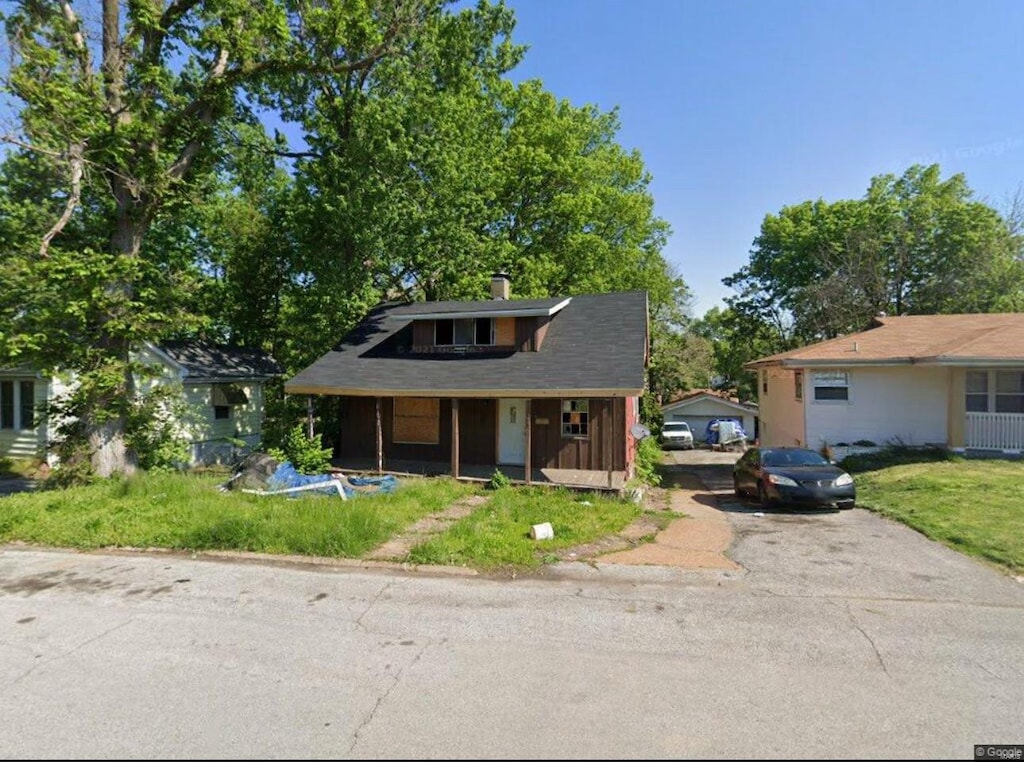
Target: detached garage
699, 407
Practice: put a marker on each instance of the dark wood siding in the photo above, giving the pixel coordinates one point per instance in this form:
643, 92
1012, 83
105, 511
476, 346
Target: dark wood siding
604, 449
545, 438
541, 331
357, 437
476, 422
423, 333
477, 426
526, 327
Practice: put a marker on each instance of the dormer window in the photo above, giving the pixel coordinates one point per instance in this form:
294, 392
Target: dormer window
464, 332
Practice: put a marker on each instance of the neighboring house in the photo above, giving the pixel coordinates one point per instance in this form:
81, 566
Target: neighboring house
698, 407
534, 384
222, 386
955, 381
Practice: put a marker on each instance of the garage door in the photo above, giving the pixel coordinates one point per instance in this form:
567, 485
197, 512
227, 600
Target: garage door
698, 424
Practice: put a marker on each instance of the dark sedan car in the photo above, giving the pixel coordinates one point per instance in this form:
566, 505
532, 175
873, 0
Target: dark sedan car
792, 475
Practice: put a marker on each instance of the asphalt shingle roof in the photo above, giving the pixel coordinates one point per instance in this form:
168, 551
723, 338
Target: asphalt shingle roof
919, 338
596, 342
204, 361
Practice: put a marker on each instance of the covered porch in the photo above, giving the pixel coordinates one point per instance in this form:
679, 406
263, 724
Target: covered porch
573, 478
994, 431
987, 409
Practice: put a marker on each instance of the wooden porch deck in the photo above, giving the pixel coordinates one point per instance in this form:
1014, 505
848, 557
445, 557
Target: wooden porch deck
613, 481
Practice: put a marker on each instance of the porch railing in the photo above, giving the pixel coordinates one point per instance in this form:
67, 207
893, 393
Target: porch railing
995, 431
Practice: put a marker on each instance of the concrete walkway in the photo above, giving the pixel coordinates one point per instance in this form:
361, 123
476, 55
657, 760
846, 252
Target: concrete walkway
397, 548
698, 540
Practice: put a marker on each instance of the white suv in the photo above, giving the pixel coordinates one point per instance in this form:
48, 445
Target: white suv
676, 434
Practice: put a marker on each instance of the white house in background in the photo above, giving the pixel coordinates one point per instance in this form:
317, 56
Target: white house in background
222, 385
699, 407
955, 381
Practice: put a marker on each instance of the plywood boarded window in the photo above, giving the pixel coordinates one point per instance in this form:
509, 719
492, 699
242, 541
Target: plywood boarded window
417, 420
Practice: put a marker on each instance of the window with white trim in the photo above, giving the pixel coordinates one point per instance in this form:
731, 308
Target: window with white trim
976, 398
6, 404
17, 405
575, 418
831, 386
1009, 391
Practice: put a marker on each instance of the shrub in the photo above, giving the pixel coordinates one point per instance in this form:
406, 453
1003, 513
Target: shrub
895, 455
309, 456
865, 443
648, 457
499, 480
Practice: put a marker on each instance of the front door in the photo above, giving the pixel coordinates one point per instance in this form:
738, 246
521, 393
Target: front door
512, 432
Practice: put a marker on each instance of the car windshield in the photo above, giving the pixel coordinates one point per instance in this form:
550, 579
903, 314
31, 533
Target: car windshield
792, 458
676, 427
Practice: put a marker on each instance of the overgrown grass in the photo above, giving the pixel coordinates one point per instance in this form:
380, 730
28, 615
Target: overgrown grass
975, 506
187, 512
497, 534
11, 468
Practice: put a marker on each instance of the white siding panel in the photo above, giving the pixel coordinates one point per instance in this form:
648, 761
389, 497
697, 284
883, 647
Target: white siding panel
886, 404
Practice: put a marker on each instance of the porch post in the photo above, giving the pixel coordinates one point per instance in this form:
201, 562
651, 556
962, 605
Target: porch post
380, 441
956, 410
455, 438
309, 416
529, 426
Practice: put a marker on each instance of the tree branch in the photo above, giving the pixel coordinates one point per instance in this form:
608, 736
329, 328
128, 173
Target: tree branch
84, 59
77, 163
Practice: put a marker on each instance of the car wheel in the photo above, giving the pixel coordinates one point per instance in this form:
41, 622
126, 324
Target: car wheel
762, 497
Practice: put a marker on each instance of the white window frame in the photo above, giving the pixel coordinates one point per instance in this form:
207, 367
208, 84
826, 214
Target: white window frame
17, 419
830, 379
991, 393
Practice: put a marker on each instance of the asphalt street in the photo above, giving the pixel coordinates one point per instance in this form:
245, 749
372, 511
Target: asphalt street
844, 635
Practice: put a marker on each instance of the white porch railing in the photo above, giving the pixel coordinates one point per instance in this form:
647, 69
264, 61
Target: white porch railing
995, 431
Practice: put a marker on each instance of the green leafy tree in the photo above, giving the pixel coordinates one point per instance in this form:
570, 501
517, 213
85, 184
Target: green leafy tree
914, 244
125, 119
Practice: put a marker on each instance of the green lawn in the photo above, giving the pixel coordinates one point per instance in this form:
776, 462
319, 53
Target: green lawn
975, 506
187, 512
497, 534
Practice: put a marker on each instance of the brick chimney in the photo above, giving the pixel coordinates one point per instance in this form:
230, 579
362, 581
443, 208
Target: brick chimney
500, 286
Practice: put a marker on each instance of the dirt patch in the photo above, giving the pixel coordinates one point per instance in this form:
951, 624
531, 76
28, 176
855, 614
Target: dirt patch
398, 548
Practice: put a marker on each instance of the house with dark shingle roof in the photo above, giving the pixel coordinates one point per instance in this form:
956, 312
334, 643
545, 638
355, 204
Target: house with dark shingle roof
221, 385
527, 384
955, 381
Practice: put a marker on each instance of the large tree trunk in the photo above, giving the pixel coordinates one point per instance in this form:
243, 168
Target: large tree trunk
109, 451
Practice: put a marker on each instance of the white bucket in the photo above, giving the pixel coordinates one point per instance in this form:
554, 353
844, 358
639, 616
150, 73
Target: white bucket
541, 532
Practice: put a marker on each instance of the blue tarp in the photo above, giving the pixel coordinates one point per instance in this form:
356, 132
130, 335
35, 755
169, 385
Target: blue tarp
286, 476
711, 433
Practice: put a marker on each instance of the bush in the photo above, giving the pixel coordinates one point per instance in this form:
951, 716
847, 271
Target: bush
895, 455
499, 480
309, 456
648, 458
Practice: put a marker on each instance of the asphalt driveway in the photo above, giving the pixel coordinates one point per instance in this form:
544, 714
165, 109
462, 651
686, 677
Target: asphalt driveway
853, 553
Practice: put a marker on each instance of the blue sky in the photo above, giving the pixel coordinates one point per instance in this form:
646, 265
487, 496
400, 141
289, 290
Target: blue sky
740, 108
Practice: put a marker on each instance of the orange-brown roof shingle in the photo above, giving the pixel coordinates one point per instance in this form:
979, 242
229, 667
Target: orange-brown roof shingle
994, 337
